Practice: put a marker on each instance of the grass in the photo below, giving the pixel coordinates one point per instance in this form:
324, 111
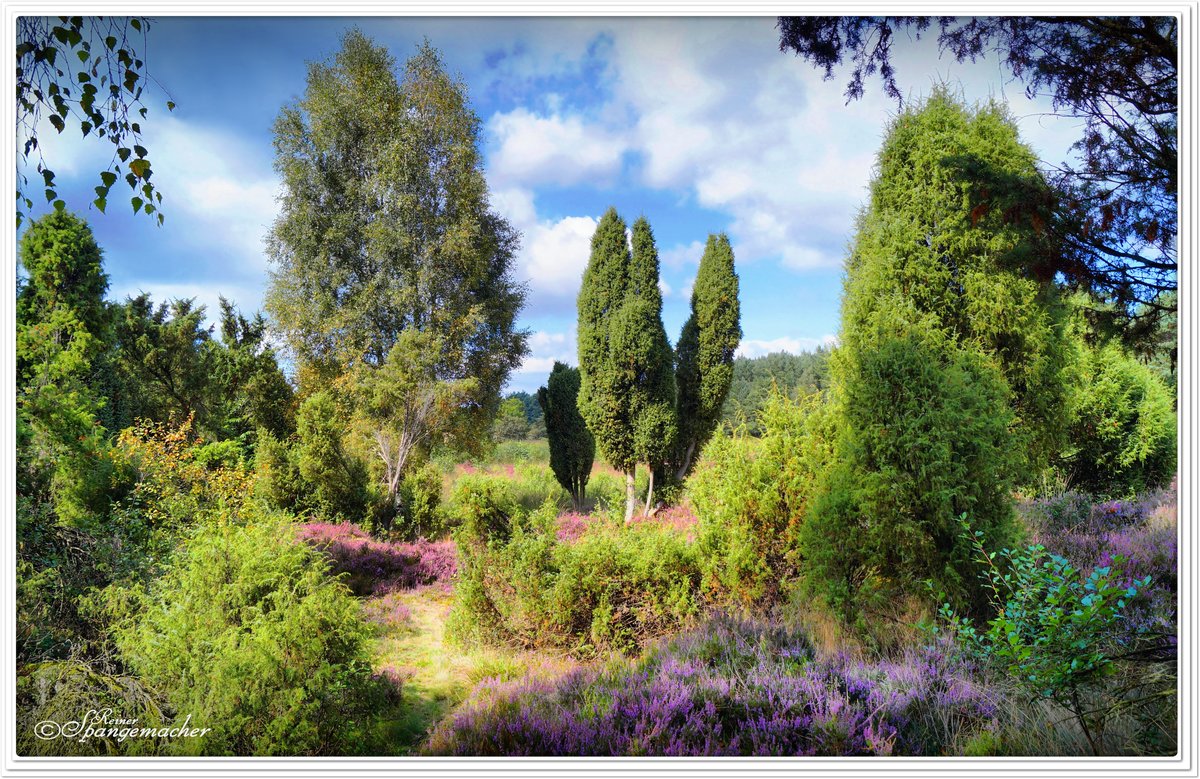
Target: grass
439, 675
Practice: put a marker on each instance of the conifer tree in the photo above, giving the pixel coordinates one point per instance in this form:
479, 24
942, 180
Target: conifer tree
651, 357
605, 395
572, 447
705, 351
949, 381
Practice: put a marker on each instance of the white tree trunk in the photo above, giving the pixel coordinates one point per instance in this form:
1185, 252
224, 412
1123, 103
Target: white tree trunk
630, 495
650, 493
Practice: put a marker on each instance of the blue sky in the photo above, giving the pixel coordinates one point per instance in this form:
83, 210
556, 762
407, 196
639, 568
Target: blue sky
702, 125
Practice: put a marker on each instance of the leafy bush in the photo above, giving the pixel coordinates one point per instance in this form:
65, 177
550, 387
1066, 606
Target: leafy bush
248, 635
337, 480
420, 499
612, 587
1056, 631
483, 507
922, 436
174, 479
730, 688
534, 484
1123, 434
751, 496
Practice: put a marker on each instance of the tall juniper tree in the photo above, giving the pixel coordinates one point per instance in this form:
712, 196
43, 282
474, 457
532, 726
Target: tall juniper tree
606, 397
649, 356
949, 383
705, 351
572, 447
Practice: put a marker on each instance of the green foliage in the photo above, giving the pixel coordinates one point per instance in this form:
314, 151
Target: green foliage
252, 391
604, 402
572, 447
484, 507
511, 423
929, 243
165, 351
1055, 631
337, 478
405, 287
751, 496
657, 425
60, 330
277, 477
922, 436
86, 70
755, 378
1123, 429
65, 271
704, 355
420, 498
615, 588
248, 635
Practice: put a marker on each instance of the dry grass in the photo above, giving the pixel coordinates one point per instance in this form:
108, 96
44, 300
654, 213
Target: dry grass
437, 675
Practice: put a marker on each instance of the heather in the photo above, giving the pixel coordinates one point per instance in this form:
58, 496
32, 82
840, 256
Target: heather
375, 567
731, 688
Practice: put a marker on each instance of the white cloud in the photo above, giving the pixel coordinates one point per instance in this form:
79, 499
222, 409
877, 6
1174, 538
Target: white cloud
545, 349
664, 288
555, 257
791, 345
221, 189
553, 253
680, 255
552, 149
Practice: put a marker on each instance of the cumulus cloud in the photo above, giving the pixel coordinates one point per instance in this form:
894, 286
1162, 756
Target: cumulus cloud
552, 149
221, 189
791, 345
553, 253
545, 348
678, 256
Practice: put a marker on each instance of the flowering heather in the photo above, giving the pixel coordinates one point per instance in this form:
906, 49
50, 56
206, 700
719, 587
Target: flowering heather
729, 689
387, 610
571, 525
1142, 532
378, 567
680, 517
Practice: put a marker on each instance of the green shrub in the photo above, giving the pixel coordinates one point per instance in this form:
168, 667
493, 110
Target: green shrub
616, 587
337, 479
220, 454
277, 478
483, 507
1123, 434
420, 499
534, 484
515, 452
248, 635
606, 493
751, 496
923, 436
1055, 631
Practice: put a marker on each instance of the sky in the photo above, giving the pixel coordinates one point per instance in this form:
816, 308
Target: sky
699, 124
